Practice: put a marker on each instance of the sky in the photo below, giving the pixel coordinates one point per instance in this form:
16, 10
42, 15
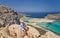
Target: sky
33, 5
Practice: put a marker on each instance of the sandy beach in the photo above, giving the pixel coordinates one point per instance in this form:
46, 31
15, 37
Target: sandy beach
37, 20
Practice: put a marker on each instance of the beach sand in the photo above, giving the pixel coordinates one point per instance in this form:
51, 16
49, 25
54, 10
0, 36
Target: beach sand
37, 20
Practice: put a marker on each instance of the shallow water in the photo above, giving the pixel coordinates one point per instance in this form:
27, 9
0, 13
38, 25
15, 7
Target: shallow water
52, 26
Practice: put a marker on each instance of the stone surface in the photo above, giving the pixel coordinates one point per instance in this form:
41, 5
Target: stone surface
53, 16
8, 15
50, 35
13, 31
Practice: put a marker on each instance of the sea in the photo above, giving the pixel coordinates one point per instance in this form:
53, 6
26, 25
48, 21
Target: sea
53, 26
38, 14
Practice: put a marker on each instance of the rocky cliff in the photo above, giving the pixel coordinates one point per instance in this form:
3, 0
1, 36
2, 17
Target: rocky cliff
7, 16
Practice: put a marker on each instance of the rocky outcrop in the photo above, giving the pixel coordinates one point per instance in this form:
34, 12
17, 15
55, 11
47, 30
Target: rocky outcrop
13, 31
50, 35
53, 16
8, 15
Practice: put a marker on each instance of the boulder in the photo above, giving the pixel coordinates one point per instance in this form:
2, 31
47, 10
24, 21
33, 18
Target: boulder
50, 34
8, 15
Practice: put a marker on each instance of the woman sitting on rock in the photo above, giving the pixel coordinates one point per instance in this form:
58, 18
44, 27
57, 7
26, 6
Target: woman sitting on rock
23, 27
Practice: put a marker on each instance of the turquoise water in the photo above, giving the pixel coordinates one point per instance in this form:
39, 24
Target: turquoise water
52, 26
25, 19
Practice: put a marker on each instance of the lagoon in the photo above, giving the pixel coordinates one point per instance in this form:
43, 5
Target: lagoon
52, 26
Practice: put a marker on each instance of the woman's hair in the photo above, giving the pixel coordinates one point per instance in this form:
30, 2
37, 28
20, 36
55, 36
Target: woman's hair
22, 22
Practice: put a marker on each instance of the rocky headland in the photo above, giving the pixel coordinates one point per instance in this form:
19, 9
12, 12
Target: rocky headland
53, 16
7, 16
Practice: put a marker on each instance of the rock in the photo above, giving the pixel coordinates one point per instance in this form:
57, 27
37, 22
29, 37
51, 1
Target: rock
26, 36
53, 16
32, 32
4, 33
8, 15
1, 22
50, 35
13, 31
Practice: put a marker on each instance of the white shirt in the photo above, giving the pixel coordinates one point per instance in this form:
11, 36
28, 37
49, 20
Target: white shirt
21, 26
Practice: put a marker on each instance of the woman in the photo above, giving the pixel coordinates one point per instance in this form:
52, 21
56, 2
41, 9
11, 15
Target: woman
23, 27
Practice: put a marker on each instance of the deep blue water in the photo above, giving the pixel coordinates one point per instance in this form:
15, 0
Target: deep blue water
39, 14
